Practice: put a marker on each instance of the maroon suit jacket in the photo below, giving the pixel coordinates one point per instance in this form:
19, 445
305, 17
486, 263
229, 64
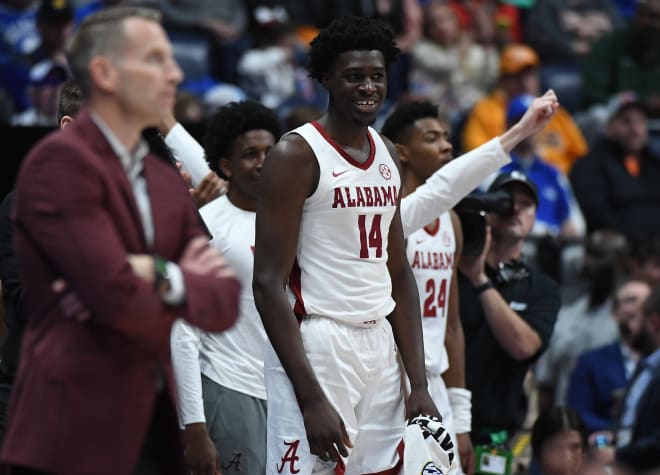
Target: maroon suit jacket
85, 391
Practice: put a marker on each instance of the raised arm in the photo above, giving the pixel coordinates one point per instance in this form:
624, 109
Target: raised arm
449, 184
185, 149
289, 176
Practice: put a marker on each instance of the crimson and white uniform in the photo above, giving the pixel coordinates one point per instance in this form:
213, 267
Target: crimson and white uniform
341, 267
431, 252
341, 289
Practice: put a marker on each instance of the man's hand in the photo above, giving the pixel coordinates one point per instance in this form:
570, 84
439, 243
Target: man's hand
69, 302
420, 403
325, 431
211, 187
201, 259
201, 454
143, 266
466, 453
474, 267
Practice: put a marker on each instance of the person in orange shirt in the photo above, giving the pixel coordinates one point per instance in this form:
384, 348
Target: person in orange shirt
561, 143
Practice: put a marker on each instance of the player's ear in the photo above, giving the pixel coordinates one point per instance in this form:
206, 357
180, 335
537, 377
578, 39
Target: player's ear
402, 151
224, 164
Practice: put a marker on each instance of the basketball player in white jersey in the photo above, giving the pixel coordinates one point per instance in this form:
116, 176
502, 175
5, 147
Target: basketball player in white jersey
222, 396
422, 142
328, 209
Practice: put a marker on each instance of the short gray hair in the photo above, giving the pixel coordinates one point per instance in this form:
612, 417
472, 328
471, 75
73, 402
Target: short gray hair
101, 33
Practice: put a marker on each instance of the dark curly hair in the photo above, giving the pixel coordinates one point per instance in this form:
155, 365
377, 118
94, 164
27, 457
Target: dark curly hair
404, 116
350, 33
232, 120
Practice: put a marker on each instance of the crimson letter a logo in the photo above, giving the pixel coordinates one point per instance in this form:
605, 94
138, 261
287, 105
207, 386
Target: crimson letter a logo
290, 457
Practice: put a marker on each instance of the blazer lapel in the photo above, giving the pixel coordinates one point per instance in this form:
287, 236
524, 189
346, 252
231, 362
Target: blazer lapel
93, 135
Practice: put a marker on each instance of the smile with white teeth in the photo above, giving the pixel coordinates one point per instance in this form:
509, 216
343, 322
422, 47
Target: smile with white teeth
365, 103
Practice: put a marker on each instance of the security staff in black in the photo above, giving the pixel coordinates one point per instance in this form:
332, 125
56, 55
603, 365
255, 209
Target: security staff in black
508, 313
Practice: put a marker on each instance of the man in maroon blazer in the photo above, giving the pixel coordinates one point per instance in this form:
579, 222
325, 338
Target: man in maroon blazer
94, 389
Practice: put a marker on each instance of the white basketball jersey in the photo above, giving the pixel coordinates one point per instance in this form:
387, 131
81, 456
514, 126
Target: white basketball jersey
235, 358
431, 253
341, 266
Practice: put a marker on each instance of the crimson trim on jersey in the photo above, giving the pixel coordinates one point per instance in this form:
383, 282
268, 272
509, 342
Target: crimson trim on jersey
435, 227
296, 288
343, 153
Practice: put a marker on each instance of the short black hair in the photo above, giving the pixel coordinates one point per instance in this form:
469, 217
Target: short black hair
232, 120
404, 116
554, 421
71, 99
350, 33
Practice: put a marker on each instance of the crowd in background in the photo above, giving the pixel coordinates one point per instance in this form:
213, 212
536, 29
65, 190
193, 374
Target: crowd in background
596, 166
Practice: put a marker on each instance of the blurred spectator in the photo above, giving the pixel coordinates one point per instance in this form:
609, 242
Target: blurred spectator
617, 183
638, 430
561, 143
18, 38
226, 20
627, 59
559, 442
600, 375
553, 216
490, 21
269, 72
447, 67
645, 259
46, 80
54, 24
586, 323
18, 32
45, 31
563, 31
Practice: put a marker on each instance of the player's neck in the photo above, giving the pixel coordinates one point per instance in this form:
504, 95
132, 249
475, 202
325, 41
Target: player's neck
343, 132
409, 182
240, 200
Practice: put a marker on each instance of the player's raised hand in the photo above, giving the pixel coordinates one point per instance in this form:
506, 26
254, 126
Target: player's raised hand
539, 113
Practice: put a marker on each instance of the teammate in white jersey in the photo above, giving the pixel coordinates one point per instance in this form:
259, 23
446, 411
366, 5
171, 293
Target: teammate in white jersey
422, 141
222, 397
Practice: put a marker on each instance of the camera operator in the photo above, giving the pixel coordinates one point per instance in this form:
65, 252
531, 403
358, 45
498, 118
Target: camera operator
508, 311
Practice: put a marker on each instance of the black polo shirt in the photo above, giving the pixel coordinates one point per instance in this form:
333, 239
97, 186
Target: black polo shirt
494, 377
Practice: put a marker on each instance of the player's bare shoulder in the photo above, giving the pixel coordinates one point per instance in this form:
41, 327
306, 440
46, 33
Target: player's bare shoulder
292, 161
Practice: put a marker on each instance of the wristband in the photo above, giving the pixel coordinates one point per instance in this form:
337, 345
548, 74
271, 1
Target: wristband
460, 400
479, 289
